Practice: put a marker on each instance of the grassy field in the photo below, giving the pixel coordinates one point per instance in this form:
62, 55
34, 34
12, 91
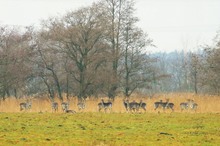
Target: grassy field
40, 126
124, 129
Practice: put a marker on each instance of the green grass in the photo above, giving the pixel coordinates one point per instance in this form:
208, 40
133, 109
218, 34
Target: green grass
90, 129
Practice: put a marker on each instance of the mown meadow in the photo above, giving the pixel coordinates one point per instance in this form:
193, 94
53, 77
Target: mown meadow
90, 129
40, 126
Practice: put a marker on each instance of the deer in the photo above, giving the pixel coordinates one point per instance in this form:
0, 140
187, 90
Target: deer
164, 105
65, 106
131, 106
185, 105
190, 104
126, 104
25, 105
81, 105
142, 105
158, 104
193, 105
54, 106
70, 111
104, 105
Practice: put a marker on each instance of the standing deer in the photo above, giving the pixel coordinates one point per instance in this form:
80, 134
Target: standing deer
126, 104
54, 106
185, 105
164, 105
190, 104
81, 105
193, 105
25, 105
65, 106
158, 104
105, 105
168, 105
142, 105
131, 106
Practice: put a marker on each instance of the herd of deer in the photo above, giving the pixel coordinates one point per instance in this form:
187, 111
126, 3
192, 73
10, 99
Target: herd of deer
54, 105
129, 106
135, 106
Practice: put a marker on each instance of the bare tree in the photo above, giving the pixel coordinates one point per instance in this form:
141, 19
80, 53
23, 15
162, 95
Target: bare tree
14, 54
134, 57
49, 63
125, 40
211, 70
79, 35
194, 68
113, 15
93, 50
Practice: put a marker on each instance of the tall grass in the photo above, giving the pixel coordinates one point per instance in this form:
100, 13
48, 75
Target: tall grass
206, 103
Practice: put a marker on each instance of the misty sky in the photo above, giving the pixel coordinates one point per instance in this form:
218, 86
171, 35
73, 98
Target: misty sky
172, 24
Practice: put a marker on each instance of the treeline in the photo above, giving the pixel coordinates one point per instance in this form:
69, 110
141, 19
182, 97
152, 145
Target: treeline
97, 50
196, 72
91, 51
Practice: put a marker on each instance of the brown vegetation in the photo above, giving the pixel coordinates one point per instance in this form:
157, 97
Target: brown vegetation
206, 103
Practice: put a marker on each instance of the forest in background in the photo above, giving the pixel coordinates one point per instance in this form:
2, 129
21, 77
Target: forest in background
99, 51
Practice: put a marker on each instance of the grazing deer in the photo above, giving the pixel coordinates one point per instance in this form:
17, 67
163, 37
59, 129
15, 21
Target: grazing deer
54, 106
25, 105
65, 106
81, 105
105, 105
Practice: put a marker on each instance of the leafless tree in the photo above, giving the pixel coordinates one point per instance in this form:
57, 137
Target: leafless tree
211, 70
134, 53
113, 11
49, 63
14, 54
195, 65
79, 34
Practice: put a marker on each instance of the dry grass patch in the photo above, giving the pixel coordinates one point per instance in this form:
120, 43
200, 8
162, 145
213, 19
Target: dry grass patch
206, 103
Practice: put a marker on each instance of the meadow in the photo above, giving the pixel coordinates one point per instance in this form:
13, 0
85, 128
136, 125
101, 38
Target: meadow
40, 126
91, 129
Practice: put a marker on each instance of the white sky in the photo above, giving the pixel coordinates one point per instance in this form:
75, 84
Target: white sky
172, 24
